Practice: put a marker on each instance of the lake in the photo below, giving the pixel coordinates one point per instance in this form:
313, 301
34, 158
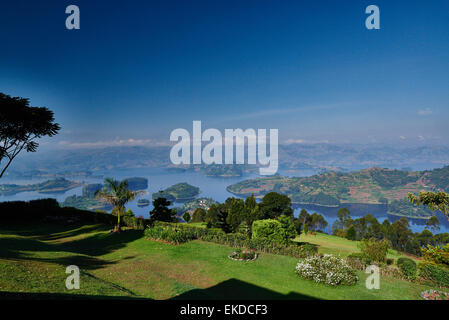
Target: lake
212, 187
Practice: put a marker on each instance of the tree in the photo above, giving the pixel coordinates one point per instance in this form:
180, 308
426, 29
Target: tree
199, 215
351, 233
222, 215
433, 200
212, 215
298, 226
236, 213
274, 205
117, 194
161, 211
433, 223
304, 217
317, 222
288, 230
251, 213
20, 126
375, 250
343, 215
186, 216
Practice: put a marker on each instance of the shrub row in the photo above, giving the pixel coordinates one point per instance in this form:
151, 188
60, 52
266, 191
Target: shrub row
434, 273
133, 222
408, 268
185, 233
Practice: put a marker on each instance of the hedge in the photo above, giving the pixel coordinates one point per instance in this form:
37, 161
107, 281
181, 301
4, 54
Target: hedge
235, 240
434, 273
408, 268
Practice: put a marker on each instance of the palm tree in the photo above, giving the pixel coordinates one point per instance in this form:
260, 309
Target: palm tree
117, 194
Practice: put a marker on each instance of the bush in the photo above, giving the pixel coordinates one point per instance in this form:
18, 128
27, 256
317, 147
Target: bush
270, 229
375, 250
327, 269
407, 267
351, 233
133, 222
434, 273
172, 235
357, 261
437, 255
281, 230
340, 233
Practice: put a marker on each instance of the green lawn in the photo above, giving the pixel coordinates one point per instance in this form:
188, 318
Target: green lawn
340, 246
33, 262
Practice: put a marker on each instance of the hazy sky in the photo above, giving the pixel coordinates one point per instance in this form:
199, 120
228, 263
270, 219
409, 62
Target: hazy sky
139, 69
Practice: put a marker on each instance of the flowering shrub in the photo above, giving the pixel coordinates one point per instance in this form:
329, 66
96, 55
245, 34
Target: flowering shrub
434, 295
245, 254
327, 269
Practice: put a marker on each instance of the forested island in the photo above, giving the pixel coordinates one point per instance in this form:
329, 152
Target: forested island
87, 200
59, 185
368, 186
178, 192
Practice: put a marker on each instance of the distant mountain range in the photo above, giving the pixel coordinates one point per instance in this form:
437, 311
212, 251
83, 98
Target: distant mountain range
324, 157
368, 186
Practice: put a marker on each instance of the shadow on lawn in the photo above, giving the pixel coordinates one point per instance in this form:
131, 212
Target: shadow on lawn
5, 295
235, 289
85, 251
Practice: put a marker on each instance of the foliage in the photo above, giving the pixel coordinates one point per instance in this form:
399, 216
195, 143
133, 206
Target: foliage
199, 215
242, 241
170, 234
434, 273
274, 205
186, 216
433, 223
436, 254
351, 233
343, 215
433, 200
161, 211
339, 233
270, 229
236, 213
375, 250
327, 269
288, 231
408, 268
434, 295
317, 222
20, 126
117, 194
245, 254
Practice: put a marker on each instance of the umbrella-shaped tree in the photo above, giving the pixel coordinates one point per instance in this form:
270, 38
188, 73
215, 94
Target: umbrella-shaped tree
117, 194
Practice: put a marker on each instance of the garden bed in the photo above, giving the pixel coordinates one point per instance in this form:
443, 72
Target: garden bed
243, 255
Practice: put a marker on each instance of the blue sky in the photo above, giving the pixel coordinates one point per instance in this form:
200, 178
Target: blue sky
136, 70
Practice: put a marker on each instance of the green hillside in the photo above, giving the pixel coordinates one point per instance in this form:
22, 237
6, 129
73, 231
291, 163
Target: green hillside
369, 186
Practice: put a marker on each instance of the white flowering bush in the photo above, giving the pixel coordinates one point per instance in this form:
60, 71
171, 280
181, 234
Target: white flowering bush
327, 269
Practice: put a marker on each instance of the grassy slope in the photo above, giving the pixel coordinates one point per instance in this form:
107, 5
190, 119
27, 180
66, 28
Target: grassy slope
127, 265
339, 246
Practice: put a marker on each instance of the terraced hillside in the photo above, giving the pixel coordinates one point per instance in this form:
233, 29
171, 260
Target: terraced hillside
368, 186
